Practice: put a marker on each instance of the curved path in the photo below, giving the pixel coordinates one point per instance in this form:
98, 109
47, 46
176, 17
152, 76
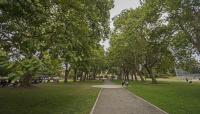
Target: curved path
116, 100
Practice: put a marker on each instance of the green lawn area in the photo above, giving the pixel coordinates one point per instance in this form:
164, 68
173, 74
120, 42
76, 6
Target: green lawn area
173, 97
72, 98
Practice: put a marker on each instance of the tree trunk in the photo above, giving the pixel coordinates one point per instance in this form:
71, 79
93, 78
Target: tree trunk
100, 76
135, 76
127, 76
141, 77
26, 80
66, 73
87, 76
94, 75
149, 70
120, 77
123, 76
84, 76
132, 77
75, 75
81, 76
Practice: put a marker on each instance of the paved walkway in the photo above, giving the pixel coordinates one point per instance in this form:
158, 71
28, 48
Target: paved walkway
120, 101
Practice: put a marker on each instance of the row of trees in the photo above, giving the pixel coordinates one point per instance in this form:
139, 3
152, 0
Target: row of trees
43, 37
155, 38
49, 36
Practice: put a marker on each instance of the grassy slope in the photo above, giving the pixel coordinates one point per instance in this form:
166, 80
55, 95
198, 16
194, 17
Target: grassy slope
173, 97
73, 98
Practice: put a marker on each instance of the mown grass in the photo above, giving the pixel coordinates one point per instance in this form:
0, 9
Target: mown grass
173, 97
72, 98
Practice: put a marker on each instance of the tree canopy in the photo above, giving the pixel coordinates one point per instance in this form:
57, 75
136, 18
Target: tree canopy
41, 36
154, 38
51, 37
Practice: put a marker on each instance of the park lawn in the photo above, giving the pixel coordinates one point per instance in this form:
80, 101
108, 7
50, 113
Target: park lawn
72, 98
172, 97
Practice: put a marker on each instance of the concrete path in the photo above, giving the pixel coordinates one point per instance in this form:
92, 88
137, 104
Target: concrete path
121, 101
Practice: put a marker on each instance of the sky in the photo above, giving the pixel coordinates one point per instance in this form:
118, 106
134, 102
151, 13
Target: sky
119, 6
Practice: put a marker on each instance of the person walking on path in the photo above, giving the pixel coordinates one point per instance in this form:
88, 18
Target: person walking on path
123, 82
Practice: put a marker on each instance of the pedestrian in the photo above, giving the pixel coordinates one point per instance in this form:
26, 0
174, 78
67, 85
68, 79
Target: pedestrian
123, 82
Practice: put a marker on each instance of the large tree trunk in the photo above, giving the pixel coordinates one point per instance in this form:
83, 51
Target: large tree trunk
26, 80
141, 77
66, 73
149, 70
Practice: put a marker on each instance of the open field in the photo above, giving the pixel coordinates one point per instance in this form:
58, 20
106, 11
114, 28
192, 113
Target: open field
173, 97
72, 98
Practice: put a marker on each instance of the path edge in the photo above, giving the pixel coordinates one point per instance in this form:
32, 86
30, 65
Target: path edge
91, 112
146, 101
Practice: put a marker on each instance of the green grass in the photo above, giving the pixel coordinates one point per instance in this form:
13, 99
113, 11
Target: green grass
72, 98
173, 97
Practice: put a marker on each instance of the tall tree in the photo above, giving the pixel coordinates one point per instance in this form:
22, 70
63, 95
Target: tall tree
63, 30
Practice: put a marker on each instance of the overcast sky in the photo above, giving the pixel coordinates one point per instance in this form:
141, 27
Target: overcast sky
119, 6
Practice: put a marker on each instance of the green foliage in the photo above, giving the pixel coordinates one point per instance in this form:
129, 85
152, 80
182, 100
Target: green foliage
4, 66
183, 14
40, 35
159, 35
140, 39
